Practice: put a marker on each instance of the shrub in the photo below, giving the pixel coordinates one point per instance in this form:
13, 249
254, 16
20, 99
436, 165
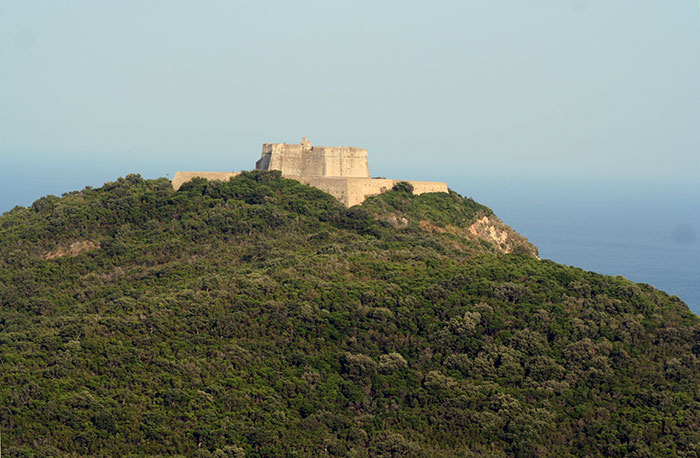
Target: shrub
391, 363
403, 186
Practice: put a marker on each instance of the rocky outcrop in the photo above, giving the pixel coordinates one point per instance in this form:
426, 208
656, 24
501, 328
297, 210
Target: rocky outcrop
489, 229
72, 250
502, 236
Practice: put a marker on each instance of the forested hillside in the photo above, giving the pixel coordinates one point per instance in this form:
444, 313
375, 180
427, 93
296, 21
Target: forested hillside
261, 318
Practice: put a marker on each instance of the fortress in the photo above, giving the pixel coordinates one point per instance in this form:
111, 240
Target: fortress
342, 172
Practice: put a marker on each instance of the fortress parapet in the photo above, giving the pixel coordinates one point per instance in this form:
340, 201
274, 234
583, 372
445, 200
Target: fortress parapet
304, 160
340, 171
181, 178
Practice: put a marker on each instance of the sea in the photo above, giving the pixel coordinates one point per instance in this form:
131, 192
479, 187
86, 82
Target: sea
645, 232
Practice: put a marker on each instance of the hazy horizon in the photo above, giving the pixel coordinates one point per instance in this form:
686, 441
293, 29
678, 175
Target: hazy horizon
575, 87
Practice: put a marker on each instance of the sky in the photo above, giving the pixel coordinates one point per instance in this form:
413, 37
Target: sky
526, 106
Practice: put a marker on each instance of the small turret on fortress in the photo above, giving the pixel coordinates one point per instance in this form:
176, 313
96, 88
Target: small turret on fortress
340, 171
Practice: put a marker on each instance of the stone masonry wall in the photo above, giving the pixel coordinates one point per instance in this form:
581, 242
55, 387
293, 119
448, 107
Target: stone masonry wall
354, 191
361, 188
181, 178
350, 191
342, 172
317, 161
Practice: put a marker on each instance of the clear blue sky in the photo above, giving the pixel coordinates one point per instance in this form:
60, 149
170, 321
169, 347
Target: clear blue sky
589, 89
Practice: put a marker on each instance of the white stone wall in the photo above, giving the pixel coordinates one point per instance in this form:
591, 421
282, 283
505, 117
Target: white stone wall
354, 191
342, 172
317, 161
181, 178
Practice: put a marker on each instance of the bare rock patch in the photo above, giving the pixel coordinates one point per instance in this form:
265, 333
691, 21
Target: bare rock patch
72, 250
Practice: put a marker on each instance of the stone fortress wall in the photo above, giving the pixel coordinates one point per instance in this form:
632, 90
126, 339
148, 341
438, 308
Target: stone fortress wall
314, 161
181, 178
354, 191
342, 172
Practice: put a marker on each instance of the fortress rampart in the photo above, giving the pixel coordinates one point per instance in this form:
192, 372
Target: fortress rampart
354, 191
342, 172
314, 161
181, 178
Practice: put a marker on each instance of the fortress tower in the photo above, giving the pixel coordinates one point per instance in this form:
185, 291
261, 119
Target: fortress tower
342, 171
302, 159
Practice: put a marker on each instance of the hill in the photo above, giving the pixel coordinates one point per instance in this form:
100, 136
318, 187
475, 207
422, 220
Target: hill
260, 317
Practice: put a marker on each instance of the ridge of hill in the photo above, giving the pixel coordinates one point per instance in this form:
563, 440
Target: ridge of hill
260, 317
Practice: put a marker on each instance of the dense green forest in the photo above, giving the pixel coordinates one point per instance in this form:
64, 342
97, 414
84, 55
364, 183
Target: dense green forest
261, 318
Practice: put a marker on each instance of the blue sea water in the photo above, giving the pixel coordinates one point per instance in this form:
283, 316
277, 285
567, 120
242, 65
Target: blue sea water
648, 234
668, 263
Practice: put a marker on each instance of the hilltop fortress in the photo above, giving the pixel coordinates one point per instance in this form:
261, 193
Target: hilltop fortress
342, 172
